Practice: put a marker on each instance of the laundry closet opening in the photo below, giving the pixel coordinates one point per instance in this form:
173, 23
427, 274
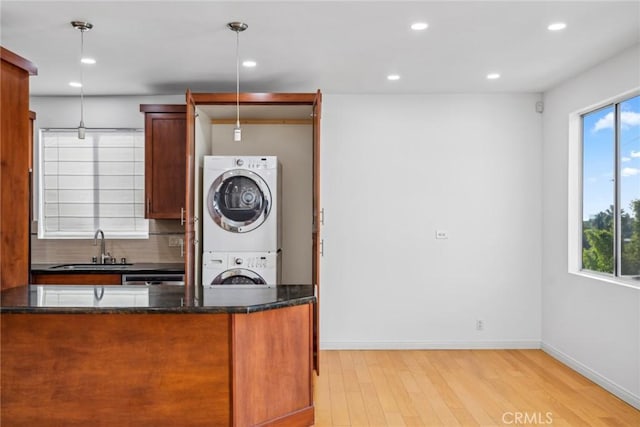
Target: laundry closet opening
283, 131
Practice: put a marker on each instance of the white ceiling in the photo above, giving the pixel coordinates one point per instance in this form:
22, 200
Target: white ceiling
151, 47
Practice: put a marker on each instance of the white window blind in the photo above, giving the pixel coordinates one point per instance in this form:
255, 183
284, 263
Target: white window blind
90, 184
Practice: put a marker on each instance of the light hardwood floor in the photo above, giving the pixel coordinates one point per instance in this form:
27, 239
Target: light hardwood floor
460, 388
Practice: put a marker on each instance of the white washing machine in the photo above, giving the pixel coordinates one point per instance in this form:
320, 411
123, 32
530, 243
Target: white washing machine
241, 204
241, 269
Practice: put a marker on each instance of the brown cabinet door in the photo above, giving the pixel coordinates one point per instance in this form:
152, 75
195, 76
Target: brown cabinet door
317, 222
189, 199
164, 162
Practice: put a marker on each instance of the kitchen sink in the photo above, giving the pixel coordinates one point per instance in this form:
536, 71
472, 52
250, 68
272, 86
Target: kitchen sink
87, 267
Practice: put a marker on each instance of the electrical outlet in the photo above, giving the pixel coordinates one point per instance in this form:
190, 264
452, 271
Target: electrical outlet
175, 241
479, 325
442, 234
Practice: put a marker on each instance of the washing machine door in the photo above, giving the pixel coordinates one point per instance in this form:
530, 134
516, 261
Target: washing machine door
239, 201
238, 276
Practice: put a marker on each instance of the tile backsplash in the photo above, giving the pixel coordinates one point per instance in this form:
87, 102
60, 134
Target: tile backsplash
155, 249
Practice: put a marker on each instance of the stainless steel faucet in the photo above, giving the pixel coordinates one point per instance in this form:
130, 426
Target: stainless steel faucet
103, 255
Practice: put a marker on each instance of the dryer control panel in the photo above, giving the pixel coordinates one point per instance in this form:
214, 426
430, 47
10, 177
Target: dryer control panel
256, 162
223, 163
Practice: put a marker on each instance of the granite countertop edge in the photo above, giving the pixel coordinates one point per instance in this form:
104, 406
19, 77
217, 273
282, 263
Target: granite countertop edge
162, 310
162, 299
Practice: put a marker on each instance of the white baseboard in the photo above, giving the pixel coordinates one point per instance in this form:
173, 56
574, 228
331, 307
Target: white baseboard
429, 345
602, 381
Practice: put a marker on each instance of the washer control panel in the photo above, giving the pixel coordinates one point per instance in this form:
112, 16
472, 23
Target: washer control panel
253, 262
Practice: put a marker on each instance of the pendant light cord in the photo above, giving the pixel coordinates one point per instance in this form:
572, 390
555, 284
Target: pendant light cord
237, 79
81, 77
237, 27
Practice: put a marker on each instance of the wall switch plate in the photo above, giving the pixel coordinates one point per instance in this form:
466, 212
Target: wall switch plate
442, 234
175, 241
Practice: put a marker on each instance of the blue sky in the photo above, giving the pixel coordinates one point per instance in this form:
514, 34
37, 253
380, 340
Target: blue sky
598, 157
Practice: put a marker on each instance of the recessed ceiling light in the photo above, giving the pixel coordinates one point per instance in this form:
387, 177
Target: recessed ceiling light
493, 76
89, 61
393, 77
557, 26
75, 84
249, 64
419, 26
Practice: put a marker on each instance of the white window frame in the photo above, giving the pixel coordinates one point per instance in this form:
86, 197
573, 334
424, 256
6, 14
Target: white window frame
140, 231
575, 188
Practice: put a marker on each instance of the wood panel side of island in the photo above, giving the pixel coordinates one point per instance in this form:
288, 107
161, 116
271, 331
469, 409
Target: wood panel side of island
115, 369
272, 368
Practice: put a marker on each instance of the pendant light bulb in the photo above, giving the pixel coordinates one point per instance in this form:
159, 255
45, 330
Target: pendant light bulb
238, 27
81, 130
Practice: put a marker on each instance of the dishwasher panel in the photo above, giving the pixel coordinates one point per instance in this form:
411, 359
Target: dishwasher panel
174, 279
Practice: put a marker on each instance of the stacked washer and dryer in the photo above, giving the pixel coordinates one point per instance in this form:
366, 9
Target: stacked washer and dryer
242, 225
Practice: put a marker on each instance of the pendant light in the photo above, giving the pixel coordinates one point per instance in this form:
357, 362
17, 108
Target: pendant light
82, 26
238, 27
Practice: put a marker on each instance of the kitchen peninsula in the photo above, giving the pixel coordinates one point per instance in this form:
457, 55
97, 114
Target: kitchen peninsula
97, 354
142, 355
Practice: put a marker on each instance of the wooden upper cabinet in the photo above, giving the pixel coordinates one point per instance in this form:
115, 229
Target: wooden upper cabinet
165, 160
15, 164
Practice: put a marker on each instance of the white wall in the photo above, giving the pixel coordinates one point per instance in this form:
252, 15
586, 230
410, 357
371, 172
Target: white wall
394, 169
592, 325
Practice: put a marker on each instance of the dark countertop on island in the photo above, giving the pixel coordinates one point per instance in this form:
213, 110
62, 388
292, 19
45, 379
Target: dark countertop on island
115, 299
139, 267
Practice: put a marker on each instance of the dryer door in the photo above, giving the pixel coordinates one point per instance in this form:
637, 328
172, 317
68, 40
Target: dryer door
238, 276
239, 201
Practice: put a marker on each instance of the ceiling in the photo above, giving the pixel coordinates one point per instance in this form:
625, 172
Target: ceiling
165, 47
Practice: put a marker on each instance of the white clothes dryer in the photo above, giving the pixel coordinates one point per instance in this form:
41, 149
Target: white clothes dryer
241, 204
241, 269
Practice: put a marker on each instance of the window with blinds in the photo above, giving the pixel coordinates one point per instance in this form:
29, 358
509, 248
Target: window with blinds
90, 184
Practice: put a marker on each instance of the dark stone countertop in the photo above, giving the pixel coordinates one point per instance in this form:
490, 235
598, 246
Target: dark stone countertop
139, 267
140, 299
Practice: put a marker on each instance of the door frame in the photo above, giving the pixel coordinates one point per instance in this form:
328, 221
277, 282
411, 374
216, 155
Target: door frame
312, 99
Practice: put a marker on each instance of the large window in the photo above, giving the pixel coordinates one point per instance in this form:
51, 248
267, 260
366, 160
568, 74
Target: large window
611, 189
90, 184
